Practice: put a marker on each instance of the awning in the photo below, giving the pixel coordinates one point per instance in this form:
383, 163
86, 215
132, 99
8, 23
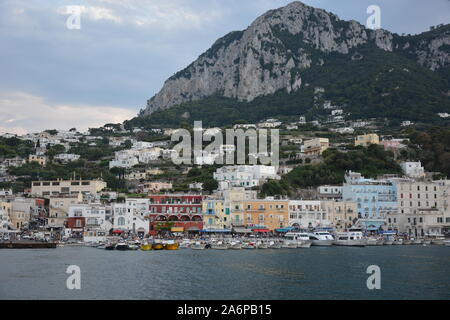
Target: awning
215, 230
261, 230
242, 230
194, 228
117, 231
284, 230
177, 229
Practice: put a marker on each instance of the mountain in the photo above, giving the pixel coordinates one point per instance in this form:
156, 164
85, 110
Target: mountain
275, 66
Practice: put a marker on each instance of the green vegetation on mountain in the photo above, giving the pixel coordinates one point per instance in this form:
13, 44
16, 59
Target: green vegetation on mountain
432, 148
371, 162
378, 84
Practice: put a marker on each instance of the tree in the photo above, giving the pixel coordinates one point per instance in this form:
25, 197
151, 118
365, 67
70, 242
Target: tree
210, 185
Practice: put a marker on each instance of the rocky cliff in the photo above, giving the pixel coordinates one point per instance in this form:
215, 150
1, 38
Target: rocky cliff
271, 54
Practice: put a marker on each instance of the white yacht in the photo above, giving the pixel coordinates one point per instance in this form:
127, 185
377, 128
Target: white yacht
321, 238
351, 239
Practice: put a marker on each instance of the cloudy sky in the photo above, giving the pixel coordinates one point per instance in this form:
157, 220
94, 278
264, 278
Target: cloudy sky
55, 77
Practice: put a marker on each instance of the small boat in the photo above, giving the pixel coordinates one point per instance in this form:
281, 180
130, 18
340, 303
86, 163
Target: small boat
146, 247
417, 241
438, 240
185, 244
122, 246
407, 242
262, 245
110, 246
427, 242
447, 243
198, 246
380, 242
171, 246
248, 245
372, 241
157, 246
220, 246
388, 242
274, 245
398, 241
236, 246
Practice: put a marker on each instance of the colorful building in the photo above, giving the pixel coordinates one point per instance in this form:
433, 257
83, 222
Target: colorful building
266, 214
178, 212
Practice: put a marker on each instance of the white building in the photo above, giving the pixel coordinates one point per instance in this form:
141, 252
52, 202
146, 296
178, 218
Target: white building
244, 176
307, 214
124, 159
423, 207
413, 169
330, 192
131, 216
67, 157
96, 226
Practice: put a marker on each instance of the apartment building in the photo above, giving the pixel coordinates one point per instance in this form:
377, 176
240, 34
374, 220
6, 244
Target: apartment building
307, 214
58, 187
266, 215
423, 207
341, 214
367, 139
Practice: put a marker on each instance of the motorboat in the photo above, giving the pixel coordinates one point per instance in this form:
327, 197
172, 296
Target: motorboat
350, 239
262, 245
110, 246
220, 245
274, 245
372, 242
185, 243
122, 246
146, 246
158, 246
236, 246
248, 245
198, 246
398, 241
417, 241
171, 245
321, 238
437, 239
447, 243
407, 242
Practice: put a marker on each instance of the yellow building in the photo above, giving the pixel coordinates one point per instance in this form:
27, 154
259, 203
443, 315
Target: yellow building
234, 203
42, 160
269, 214
214, 214
367, 139
19, 219
342, 214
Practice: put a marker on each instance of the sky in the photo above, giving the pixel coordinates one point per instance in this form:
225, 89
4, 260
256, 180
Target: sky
56, 77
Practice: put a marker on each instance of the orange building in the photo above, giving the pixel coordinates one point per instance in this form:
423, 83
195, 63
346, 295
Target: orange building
266, 214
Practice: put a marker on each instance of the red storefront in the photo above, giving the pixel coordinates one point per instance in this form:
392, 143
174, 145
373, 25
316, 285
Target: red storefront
76, 226
178, 211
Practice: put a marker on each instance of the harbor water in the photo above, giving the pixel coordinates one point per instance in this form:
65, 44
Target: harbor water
407, 272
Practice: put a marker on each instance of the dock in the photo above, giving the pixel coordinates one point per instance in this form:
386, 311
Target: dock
27, 245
